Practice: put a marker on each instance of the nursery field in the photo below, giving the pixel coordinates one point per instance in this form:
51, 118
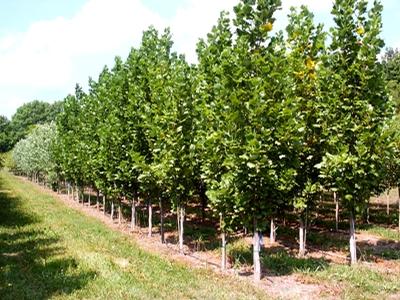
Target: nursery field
50, 250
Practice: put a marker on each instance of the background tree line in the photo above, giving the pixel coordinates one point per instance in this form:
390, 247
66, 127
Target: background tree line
24, 119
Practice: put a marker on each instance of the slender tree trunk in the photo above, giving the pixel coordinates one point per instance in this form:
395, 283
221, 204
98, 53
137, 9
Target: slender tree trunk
387, 203
90, 191
97, 200
119, 212
256, 253
306, 230
82, 192
133, 212
76, 197
181, 219
302, 238
353, 246
203, 208
112, 209
336, 200
223, 245
150, 212
162, 222
104, 204
68, 192
398, 191
272, 234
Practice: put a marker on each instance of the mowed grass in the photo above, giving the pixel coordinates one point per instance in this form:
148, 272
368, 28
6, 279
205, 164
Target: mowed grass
48, 250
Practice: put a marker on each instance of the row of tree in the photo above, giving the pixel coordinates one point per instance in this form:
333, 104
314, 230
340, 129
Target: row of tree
264, 123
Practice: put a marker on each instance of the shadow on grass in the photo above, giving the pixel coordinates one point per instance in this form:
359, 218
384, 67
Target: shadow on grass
32, 264
280, 263
316, 238
380, 250
276, 261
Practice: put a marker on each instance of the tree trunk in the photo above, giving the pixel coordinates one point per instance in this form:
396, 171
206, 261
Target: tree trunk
90, 191
387, 203
162, 222
133, 213
272, 234
203, 208
398, 190
68, 192
76, 197
97, 200
336, 211
119, 212
81, 192
181, 219
223, 245
112, 209
203, 200
302, 238
353, 246
150, 211
256, 253
104, 204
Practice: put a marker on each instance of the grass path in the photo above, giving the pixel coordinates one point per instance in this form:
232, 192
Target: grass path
48, 250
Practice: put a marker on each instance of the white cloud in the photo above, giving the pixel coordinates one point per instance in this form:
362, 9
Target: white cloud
194, 20
52, 54
44, 55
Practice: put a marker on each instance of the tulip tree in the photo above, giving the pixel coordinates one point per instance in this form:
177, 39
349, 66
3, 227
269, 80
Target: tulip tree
305, 48
151, 85
359, 107
212, 54
178, 150
99, 110
70, 146
250, 134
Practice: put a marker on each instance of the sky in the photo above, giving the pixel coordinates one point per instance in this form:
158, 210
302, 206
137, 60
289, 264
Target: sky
47, 46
